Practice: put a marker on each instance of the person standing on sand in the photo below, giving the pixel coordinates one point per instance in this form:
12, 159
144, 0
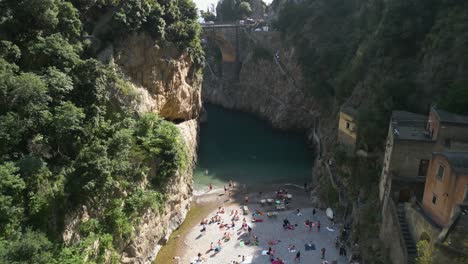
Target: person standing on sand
298, 257
211, 187
323, 253
246, 199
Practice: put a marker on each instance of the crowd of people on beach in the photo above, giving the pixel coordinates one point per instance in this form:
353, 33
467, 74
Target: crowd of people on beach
229, 222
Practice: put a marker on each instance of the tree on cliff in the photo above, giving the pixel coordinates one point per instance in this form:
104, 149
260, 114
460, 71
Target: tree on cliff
244, 9
232, 10
208, 16
456, 100
68, 138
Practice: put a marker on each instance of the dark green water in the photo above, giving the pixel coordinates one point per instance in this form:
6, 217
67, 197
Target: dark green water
240, 147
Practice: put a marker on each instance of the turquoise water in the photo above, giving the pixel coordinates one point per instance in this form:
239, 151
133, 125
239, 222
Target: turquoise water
240, 147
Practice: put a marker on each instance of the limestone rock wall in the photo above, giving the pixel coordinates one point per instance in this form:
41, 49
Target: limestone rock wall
268, 87
154, 229
166, 81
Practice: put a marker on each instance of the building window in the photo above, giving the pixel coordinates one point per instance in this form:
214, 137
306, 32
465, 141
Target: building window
434, 199
348, 125
423, 165
440, 172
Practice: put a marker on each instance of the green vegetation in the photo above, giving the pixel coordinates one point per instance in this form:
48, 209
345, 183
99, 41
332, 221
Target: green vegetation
456, 100
384, 55
65, 137
233, 10
261, 53
429, 254
207, 16
383, 51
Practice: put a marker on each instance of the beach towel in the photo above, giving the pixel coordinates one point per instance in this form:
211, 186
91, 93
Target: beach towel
330, 229
241, 244
264, 252
257, 220
309, 247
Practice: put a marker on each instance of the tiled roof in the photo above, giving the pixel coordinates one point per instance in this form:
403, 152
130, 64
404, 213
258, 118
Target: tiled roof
409, 126
404, 116
349, 110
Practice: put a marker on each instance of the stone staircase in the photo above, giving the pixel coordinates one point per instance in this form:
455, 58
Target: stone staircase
409, 243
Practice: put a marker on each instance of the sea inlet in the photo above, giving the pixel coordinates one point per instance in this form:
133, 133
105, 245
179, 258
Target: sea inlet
240, 147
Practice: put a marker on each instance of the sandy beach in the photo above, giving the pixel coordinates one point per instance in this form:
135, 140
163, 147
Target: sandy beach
268, 230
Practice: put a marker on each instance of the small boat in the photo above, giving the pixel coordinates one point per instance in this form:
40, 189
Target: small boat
329, 213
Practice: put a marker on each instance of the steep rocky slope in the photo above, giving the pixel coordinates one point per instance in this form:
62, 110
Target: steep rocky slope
269, 87
167, 82
98, 127
373, 55
154, 229
163, 81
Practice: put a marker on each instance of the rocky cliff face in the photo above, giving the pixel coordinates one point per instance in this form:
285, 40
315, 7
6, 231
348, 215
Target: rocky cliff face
155, 229
269, 86
166, 82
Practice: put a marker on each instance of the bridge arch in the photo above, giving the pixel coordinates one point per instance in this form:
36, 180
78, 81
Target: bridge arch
226, 37
228, 50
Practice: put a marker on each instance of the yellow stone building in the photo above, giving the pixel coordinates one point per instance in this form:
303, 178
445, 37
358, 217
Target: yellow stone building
347, 127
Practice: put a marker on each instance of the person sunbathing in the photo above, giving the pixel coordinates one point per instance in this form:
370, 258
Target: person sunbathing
274, 242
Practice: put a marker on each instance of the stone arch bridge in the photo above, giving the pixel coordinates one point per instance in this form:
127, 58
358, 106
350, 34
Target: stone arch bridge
228, 37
